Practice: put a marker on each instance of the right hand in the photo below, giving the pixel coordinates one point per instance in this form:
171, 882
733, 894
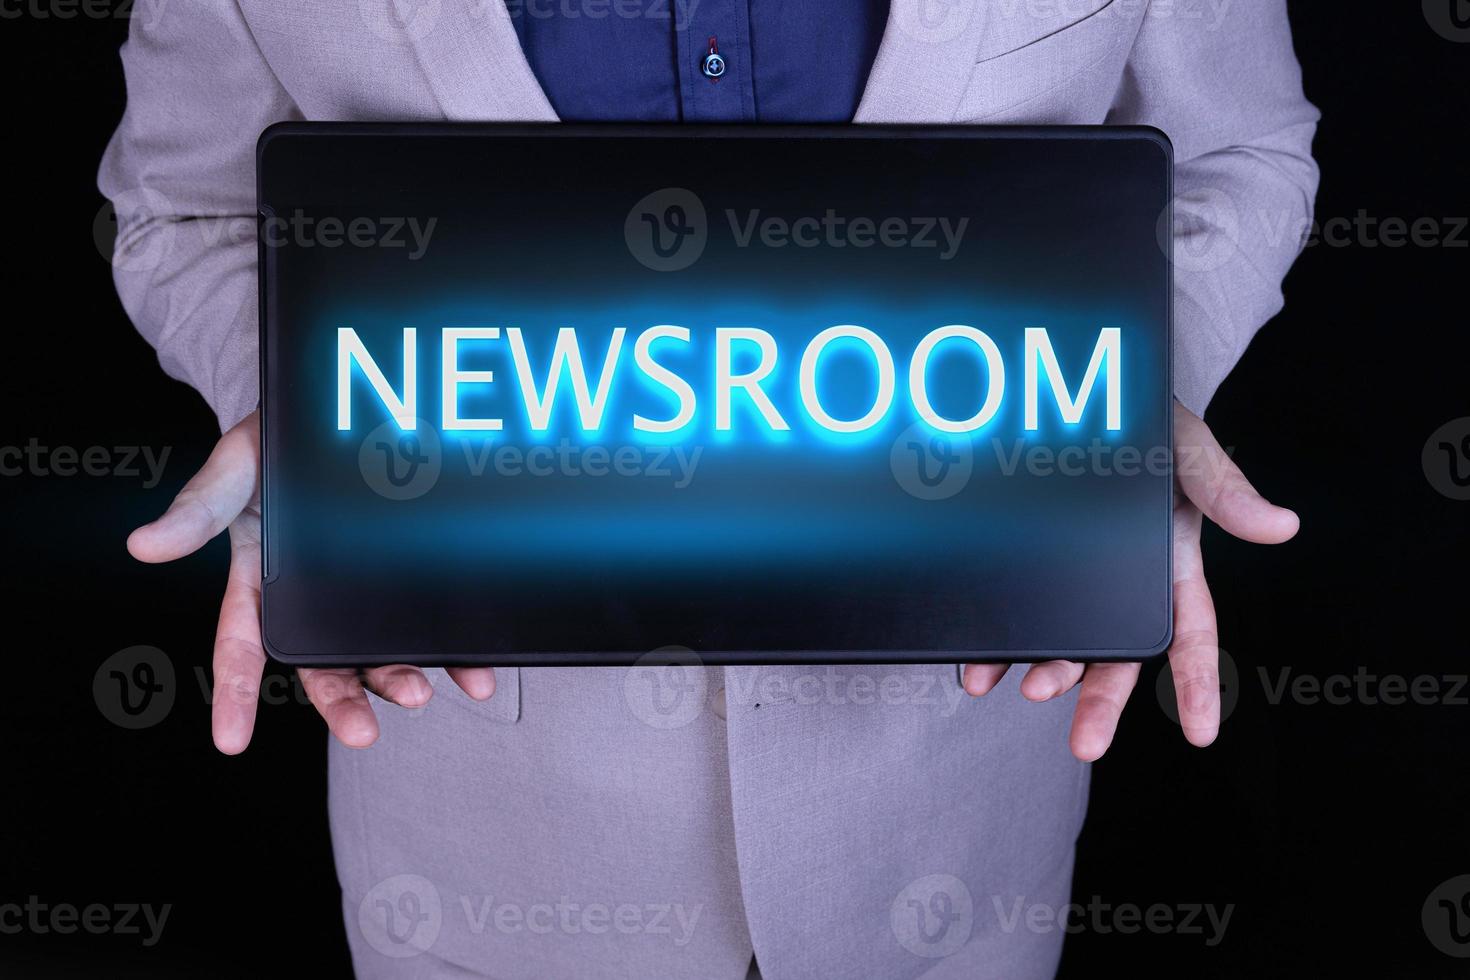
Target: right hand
226, 494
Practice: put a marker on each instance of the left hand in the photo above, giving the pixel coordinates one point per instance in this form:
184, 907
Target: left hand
1209, 485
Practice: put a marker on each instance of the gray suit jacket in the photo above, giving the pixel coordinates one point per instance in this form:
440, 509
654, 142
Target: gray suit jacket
664, 822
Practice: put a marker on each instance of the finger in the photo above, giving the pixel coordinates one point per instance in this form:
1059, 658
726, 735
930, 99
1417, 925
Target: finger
239, 660
980, 679
208, 502
1195, 653
342, 702
1053, 678
477, 682
1212, 481
1105, 690
403, 685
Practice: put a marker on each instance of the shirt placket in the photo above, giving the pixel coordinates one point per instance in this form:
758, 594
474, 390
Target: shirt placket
721, 27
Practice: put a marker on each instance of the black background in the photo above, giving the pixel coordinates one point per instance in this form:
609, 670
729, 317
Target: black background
1325, 825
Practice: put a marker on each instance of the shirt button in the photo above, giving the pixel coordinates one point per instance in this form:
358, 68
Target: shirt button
714, 66
718, 706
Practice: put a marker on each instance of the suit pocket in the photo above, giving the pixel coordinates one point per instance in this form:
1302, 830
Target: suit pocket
1041, 80
504, 706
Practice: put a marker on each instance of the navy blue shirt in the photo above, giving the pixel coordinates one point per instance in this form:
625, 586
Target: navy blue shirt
649, 60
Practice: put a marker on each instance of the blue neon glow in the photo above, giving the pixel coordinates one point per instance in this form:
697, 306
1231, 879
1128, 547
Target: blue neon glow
846, 374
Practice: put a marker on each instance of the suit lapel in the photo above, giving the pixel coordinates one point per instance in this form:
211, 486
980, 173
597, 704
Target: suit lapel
475, 65
924, 61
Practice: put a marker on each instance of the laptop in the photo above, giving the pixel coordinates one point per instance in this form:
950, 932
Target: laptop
564, 394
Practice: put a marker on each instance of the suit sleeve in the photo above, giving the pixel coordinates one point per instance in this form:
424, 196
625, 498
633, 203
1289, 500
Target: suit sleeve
180, 173
1223, 81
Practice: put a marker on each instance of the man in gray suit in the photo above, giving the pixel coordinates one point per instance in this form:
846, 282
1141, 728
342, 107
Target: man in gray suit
670, 822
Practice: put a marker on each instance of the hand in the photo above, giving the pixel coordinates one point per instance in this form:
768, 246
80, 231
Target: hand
1208, 485
226, 494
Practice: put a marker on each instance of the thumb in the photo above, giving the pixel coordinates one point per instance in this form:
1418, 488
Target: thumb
209, 502
1214, 484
